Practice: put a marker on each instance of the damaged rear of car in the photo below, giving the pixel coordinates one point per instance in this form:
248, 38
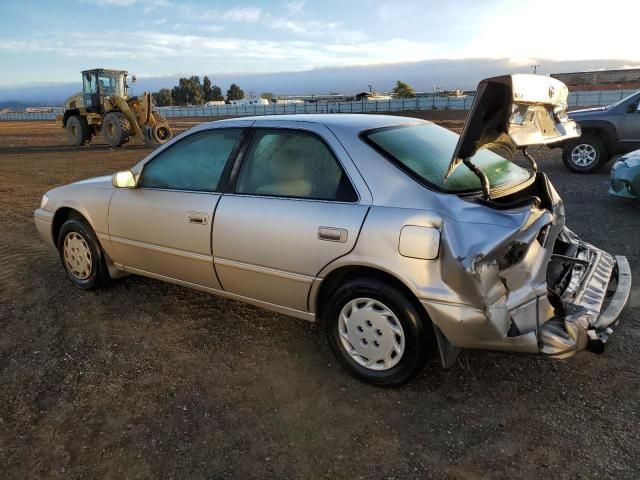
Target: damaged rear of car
511, 276
512, 113
546, 288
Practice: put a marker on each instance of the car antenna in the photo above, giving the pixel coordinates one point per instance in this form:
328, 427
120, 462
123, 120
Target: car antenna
534, 165
484, 180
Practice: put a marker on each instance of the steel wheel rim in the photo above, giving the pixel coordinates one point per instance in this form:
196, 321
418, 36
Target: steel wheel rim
583, 155
77, 256
371, 334
74, 131
111, 129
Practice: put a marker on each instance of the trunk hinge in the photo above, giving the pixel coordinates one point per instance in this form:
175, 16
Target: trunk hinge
534, 165
484, 180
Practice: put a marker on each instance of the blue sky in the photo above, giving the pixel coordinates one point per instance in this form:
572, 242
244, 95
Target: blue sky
51, 41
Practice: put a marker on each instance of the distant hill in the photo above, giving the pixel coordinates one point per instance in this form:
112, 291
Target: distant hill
447, 74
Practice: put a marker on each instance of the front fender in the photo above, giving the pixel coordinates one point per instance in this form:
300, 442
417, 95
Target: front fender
605, 129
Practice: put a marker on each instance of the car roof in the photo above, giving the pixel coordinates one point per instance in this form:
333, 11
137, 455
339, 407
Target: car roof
351, 120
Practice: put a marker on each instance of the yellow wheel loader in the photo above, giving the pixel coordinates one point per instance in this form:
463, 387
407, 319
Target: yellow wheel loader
104, 106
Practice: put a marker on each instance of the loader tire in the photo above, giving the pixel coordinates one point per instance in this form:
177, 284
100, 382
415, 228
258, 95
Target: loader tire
116, 128
157, 135
161, 133
77, 130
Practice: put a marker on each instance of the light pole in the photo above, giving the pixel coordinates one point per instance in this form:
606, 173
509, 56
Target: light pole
535, 68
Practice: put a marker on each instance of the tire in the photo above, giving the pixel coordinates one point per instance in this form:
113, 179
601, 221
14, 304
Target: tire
116, 128
81, 255
585, 154
161, 133
77, 130
378, 318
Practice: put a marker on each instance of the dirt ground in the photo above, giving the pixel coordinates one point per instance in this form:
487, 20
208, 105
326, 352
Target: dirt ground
150, 380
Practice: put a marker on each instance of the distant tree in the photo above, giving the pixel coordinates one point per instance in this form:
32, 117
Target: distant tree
235, 92
403, 90
207, 91
162, 98
216, 94
267, 96
188, 92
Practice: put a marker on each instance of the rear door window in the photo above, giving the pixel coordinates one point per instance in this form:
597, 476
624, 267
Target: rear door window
291, 163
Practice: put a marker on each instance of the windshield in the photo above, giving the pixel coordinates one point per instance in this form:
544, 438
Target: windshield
111, 84
424, 152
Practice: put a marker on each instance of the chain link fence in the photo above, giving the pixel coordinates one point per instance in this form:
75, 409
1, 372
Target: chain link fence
576, 99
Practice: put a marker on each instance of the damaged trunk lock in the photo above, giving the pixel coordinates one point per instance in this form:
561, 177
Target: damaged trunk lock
543, 289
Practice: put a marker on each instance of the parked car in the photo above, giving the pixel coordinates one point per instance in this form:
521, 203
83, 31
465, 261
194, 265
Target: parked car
399, 235
625, 176
606, 131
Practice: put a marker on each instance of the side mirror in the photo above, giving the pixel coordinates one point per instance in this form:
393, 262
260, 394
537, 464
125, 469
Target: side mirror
124, 179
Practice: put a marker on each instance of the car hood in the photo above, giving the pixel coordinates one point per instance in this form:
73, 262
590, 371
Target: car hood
103, 181
631, 159
584, 111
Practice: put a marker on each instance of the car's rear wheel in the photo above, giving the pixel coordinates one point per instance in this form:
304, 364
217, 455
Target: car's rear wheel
81, 255
585, 154
377, 333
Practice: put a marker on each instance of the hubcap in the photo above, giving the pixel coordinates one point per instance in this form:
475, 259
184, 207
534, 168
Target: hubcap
583, 155
77, 256
371, 334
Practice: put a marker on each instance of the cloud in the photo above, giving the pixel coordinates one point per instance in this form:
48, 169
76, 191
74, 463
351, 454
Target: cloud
115, 3
156, 6
150, 6
230, 53
296, 6
242, 14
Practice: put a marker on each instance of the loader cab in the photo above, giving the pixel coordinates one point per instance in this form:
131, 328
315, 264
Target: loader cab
100, 83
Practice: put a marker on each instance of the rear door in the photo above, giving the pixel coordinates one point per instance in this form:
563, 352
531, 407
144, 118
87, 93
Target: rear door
163, 227
294, 208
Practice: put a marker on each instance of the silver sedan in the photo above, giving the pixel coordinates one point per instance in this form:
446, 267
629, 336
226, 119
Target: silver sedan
348, 220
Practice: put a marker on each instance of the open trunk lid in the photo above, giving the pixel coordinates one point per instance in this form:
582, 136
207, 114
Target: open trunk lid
511, 112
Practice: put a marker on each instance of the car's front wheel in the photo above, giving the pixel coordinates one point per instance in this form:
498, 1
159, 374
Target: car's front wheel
377, 333
585, 154
81, 255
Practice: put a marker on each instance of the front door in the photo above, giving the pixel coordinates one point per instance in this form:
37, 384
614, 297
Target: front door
630, 126
91, 98
163, 227
292, 211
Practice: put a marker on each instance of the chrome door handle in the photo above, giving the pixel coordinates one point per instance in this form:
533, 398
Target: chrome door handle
332, 234
197, 217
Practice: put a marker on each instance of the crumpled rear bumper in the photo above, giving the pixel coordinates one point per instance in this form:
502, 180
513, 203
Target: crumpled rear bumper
609, 317
597, 292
